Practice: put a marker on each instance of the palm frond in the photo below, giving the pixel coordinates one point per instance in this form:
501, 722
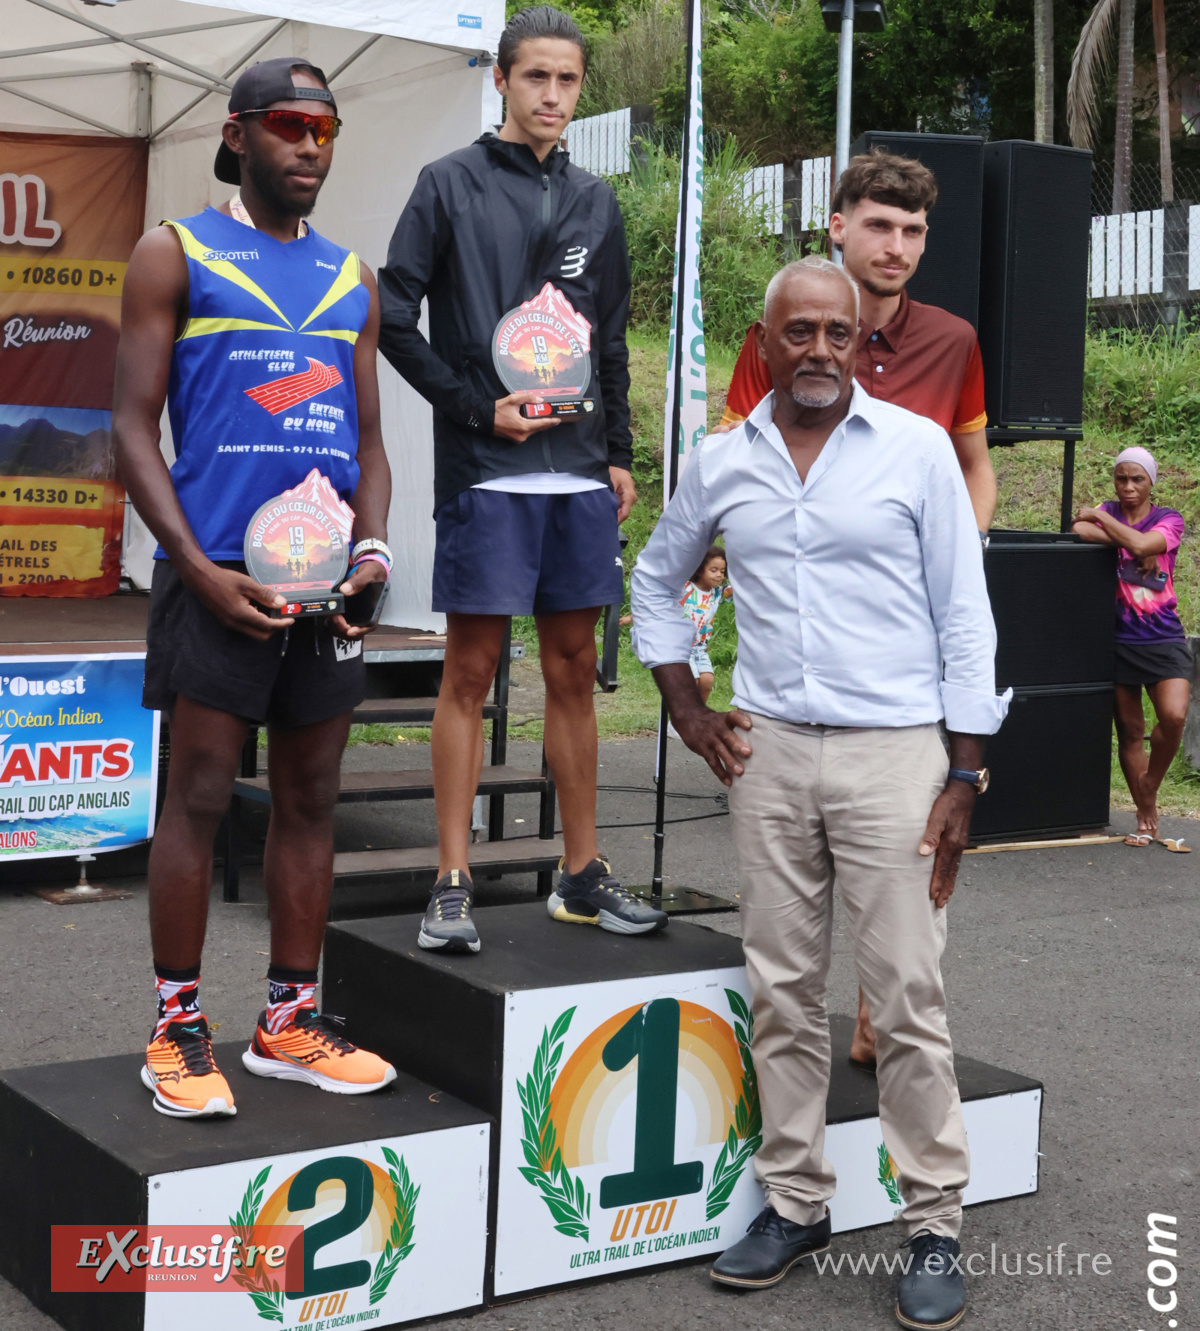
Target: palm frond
1089, 66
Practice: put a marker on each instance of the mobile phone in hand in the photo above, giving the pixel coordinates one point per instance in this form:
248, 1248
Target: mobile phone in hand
364, 608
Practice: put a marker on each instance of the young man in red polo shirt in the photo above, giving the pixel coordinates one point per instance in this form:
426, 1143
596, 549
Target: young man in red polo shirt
918, 356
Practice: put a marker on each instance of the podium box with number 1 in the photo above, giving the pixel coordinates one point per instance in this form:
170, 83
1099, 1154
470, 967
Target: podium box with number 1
619, 1068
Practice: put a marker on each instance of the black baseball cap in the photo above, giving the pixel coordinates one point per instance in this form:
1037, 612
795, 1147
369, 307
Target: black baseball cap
257, 88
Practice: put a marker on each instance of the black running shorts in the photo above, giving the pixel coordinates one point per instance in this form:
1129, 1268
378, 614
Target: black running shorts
299, 676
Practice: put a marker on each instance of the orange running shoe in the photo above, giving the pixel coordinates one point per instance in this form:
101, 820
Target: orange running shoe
310, 1049
180, 1070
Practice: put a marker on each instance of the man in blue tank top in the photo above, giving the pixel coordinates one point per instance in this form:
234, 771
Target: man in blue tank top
260, 337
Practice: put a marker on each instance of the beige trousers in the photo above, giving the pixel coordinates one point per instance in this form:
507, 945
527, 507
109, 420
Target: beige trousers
818, 805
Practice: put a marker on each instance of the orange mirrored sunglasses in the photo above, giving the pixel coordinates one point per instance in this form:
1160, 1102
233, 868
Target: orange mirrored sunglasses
292, 126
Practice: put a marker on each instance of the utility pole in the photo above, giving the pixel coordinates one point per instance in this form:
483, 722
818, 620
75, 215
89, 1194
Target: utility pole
1043, 71
839, 16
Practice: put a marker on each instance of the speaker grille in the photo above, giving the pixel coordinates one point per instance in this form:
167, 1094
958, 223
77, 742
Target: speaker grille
1053, 602
1050, 765
948, 274
1033, 282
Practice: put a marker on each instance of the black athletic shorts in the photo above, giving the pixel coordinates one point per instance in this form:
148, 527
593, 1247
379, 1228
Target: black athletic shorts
299, 676
1138, 663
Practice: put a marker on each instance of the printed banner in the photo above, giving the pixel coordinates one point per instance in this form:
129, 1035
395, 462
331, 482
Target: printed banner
78, 755
71, 210
393, 1230
629, 1126
685, 357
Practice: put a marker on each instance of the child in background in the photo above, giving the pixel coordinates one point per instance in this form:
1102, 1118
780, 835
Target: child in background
701, 600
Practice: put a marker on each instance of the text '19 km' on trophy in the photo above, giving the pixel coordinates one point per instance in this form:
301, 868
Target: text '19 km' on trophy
299, 545
543, 346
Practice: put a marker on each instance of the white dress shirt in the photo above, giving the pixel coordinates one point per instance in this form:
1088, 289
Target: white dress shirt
860, 592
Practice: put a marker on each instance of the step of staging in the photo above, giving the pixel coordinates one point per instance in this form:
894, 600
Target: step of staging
527, 854
406, 711
81, 1146
619, 1069
393, 784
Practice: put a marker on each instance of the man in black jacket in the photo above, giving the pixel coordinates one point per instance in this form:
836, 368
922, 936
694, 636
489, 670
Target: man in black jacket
526, 509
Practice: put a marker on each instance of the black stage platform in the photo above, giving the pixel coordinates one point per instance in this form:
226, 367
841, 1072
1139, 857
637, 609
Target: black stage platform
82, 626
540, 1029
80, 1144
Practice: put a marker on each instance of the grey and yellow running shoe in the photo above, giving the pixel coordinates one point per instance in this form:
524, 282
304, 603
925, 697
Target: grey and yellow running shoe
593, 896
447, 926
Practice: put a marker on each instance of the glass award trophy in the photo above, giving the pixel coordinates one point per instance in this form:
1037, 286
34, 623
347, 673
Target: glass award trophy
299, 544
543, 346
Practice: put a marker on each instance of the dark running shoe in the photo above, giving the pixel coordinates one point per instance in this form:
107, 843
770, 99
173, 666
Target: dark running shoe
447, 926
593, 896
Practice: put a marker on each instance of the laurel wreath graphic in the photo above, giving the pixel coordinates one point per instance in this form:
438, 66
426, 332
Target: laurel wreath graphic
266, 1294
567, 1199
745, 1133
400, 1238
888, 1176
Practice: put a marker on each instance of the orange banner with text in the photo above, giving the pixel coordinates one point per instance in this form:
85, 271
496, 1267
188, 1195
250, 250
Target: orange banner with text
71, 210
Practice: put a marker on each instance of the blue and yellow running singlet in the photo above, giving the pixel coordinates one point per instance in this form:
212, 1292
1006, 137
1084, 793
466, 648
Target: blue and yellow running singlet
262, 376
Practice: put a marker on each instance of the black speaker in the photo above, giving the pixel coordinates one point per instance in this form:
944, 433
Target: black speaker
1053, 597
948, 274
1033, 282
1050, 765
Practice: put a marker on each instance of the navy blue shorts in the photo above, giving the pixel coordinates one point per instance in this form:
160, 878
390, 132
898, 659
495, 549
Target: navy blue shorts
524, 554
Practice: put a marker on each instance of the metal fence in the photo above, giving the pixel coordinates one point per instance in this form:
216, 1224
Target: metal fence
1144, 267
600, 144
1145, 187
794, 197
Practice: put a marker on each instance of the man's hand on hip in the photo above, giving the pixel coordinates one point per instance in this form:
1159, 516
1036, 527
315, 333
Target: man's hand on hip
510, 424
945, 837
235, 599
626, 493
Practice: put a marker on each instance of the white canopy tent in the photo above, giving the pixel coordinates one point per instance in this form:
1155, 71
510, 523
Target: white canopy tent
412, 79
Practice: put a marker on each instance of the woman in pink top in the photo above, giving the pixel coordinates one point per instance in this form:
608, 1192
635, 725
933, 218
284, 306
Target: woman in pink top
1151, 648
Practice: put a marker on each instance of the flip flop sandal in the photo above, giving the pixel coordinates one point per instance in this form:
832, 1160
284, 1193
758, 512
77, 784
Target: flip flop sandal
1175, 845
1139, 839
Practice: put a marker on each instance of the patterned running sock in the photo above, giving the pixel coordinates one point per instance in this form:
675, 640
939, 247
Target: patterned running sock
288, 992
178, 995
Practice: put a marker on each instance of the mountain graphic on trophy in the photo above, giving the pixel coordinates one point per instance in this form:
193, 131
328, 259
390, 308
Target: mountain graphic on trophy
299, 544
543, 346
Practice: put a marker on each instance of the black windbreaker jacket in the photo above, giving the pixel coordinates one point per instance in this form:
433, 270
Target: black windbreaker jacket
484, 229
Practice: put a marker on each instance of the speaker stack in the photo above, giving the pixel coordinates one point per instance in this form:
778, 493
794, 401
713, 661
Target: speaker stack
1033, 285
1053, 602
948, 274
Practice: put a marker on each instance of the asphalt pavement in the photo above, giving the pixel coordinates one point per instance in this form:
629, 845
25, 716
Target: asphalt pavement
1074, 966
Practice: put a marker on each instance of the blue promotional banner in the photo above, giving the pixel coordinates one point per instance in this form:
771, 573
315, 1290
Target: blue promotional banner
78, 755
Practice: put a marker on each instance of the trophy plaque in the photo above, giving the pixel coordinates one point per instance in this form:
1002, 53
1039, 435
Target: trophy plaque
299, 544
543, 346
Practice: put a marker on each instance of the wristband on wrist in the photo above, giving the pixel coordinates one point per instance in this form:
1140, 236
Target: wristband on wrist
371, 544
371, 557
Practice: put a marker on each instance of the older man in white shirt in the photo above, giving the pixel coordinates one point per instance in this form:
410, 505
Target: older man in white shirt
863, 623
